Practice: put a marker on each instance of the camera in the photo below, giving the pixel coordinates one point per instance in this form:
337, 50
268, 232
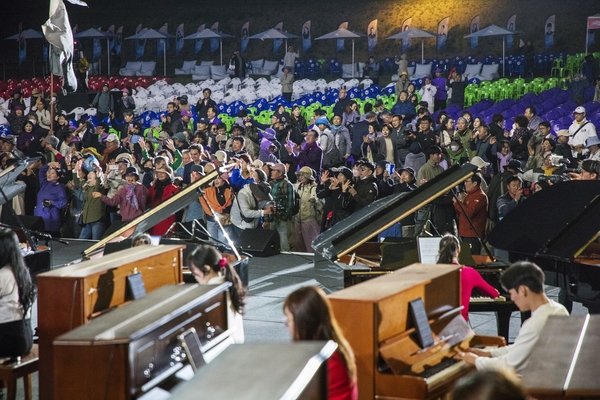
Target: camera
47, 203
557, 160
554, 179
278, 205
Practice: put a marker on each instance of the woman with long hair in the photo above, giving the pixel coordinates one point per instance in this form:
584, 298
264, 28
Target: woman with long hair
209, 267
469, 278
162, 190
350, 114
309, 317
297, 120
17, 294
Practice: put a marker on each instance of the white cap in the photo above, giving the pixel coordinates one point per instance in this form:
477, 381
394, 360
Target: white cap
579, 110
479, 162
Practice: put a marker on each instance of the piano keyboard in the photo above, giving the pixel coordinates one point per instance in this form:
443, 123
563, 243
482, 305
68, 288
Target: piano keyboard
447, 368
483, 299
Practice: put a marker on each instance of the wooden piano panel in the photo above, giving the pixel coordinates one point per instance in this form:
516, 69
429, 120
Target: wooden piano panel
68, 297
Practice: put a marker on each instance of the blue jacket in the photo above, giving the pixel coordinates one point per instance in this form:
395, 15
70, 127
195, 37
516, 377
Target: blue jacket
54, 192
407, 109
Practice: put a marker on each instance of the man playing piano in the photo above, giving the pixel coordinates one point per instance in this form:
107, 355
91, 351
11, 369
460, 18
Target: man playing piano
525, 283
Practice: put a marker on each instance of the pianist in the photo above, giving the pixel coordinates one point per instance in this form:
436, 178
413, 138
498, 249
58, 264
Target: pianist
525, 283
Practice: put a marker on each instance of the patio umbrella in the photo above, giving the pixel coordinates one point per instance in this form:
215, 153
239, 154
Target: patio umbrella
414, 33
274, 34
27, 34
494, 30
154, 34
94, 33
343, 34
210, 34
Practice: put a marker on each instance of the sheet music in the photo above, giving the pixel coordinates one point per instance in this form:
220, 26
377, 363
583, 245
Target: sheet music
428, 249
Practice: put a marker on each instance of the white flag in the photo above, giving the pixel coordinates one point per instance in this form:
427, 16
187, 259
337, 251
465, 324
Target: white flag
57, 31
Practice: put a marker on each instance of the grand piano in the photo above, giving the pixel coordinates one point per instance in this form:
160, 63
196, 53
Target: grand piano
557, 229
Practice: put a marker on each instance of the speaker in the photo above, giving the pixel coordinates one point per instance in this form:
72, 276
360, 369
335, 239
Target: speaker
29, 222
259, 242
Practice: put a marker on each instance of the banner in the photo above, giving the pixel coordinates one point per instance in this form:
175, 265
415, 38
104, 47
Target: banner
245, 35
340, 42
278, 42
111, 41
97, 47
306, 38
140, 44
442, 33
199, 42
22, 45
45, 50
179, 39
162, 44
372, 35
406, 25
511, 26
214, 43
549, 32
593, 22
591, 38
57, 31
119, 40
474, 27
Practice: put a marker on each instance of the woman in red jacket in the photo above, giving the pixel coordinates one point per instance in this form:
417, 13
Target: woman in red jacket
162, 190
469, 278
309, 317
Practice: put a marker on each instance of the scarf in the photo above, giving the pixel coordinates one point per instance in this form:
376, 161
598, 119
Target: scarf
130, 196
503, 160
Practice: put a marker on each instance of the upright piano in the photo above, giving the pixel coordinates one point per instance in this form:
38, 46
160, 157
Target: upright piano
557, 229
375, 318
564, 362
75, 294
263, 371
127, 353
348, 239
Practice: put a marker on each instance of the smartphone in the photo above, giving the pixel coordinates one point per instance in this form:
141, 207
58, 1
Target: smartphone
113, 167
135, 139
390, 169
191, 345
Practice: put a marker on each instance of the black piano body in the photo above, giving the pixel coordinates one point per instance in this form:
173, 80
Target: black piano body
335, 247
557, 229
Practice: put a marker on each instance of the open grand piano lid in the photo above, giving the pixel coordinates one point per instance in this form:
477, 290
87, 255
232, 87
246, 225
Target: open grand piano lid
353, 231
556, 223
152, 217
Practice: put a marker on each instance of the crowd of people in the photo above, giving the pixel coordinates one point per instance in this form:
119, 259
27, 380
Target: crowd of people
299, 175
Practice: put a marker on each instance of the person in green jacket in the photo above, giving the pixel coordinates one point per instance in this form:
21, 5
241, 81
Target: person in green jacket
92, 214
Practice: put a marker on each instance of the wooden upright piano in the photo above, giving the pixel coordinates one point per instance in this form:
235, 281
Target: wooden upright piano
374, 316
130, 352
73, 295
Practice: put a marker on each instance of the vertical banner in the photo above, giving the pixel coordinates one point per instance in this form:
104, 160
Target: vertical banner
442, 33
162, 44
119, 40
511, 26
140, 44
245, 37
277, 42
340, 42
111, 41
406, 25
474, 27
45, 50
372, 35
179, 39
214, 43
591, 38
199, 42
97, 47
22, 45
549, 32
306, 38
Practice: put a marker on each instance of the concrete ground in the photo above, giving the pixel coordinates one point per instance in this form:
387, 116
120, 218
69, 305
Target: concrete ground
271, 280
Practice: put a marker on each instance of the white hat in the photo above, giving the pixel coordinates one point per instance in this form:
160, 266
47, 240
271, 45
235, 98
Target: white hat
592, 141
579, 110
479, 162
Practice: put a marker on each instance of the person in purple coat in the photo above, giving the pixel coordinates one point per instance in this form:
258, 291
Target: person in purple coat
311, 155
441, 96
51, 198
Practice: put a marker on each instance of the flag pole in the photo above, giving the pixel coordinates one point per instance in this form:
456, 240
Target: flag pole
51, 104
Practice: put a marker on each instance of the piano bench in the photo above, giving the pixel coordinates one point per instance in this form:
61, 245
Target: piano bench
22, 369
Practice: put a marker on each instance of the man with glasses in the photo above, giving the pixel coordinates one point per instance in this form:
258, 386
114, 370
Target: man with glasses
473, 206
580, 130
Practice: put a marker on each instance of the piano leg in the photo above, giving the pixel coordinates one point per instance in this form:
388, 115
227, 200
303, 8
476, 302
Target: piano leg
503, 323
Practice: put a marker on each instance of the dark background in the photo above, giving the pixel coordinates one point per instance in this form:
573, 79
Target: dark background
325, 16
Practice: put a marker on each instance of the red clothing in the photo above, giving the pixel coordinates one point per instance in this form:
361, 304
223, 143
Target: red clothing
128, 212
476, 206
163, 226
340, 386
469, 280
